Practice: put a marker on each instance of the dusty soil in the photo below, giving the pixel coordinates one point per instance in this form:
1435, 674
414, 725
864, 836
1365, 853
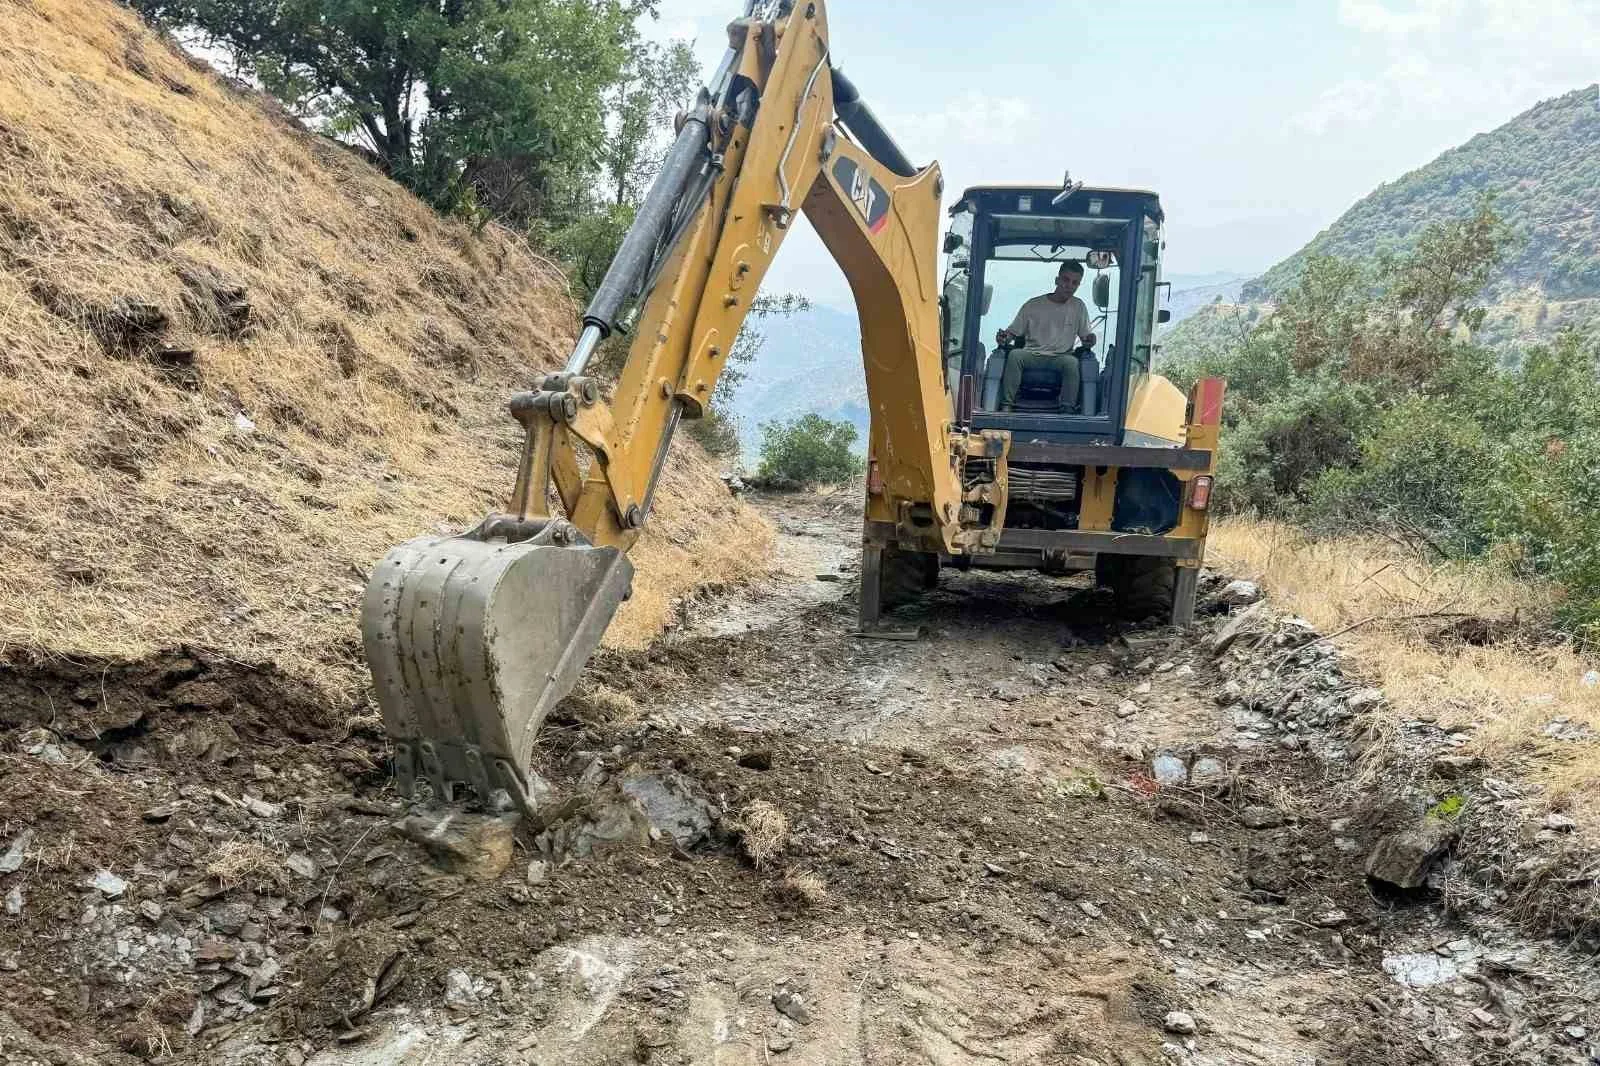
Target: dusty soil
979, 864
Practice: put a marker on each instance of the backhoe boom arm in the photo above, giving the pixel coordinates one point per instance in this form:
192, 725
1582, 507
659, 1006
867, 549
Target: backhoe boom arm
473, 639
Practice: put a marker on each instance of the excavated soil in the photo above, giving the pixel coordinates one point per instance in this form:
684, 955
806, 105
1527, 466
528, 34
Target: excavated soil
981, 860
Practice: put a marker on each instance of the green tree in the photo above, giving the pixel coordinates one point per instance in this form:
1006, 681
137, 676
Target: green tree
657, 82
495, 105
809, 450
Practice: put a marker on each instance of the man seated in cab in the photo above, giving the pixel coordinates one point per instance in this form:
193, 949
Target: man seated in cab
1052, 324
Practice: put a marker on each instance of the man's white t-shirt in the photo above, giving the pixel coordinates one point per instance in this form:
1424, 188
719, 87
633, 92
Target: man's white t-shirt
1050, 326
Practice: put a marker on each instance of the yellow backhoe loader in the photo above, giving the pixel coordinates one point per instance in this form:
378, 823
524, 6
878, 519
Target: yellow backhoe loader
976, 458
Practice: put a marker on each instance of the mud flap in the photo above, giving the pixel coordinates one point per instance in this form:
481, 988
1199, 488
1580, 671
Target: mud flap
472, 641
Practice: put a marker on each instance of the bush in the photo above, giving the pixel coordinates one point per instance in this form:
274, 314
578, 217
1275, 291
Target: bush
1424, 470
1273, 454
809, 450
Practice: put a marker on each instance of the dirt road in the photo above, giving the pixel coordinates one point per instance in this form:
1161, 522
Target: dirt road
1028, 836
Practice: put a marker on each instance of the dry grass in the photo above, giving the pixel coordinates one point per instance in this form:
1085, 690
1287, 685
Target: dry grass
1391, 605
801, 889
238, 861
235, 503
763, 832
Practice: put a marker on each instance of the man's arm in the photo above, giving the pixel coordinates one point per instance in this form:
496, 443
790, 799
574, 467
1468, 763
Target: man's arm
1018, 327
1085, 331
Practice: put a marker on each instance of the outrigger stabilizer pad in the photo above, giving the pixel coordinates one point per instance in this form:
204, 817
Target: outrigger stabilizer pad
473, 639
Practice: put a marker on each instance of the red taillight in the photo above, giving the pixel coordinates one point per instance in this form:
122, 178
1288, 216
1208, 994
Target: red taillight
874, 479
1200, 492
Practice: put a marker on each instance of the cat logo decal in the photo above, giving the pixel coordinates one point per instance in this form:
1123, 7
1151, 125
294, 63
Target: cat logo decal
870, 198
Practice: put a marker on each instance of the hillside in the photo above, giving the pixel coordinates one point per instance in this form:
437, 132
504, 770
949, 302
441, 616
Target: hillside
1192, 293
1543, 168
237, 364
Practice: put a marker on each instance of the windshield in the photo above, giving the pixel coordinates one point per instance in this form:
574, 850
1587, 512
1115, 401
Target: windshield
1060, 365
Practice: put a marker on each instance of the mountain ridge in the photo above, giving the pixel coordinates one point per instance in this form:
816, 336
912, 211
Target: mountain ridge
1542, 167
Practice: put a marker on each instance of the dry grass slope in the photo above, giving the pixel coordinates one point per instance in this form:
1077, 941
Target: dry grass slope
236, 364
1390, 607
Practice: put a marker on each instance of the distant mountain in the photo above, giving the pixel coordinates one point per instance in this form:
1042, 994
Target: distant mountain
808, 361
1544, 170
1191, 292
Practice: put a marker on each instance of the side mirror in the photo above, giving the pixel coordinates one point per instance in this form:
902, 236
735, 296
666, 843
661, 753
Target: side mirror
952, 241
1102, 291
988, 297
1163, 315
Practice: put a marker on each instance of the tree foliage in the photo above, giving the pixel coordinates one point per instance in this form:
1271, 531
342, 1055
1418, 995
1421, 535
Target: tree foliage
1366, 402
657, 82
495, 106
809, 450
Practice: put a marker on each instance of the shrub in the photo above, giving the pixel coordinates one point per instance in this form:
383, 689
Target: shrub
809, 450
1423, 469
1273, 454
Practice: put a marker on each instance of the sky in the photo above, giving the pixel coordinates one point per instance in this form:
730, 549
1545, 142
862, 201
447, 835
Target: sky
1257, 122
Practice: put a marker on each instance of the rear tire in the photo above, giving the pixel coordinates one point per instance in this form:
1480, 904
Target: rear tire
1141, 585
905, 575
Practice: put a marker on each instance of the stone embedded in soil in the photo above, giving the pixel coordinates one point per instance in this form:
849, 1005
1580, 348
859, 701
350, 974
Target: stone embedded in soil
790, 1005
216, 951
1239, 593
1169, 771
1250, 620
150, 909
1127, 709
1364, 699
259, 807
1260, 818
14, 901
538, 872
474, 845
11, 861
108, 884
1208, 774
301, 863
162, 813
459, 994
1180, 1022
1405, 859
1559, 823
672, 805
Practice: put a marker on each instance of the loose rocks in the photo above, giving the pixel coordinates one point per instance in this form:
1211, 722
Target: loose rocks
476, 846
1405, 859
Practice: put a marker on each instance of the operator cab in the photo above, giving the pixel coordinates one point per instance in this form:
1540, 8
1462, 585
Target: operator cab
1007, 243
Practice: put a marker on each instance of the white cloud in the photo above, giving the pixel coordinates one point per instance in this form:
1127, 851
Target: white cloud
973, 120
1450, 58
1373, 16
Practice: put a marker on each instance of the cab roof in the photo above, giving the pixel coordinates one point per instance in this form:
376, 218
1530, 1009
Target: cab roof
991, 197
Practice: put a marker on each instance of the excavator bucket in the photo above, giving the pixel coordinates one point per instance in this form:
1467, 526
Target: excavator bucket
472, 640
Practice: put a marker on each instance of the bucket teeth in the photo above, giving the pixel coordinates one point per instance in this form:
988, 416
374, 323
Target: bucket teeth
472, 641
